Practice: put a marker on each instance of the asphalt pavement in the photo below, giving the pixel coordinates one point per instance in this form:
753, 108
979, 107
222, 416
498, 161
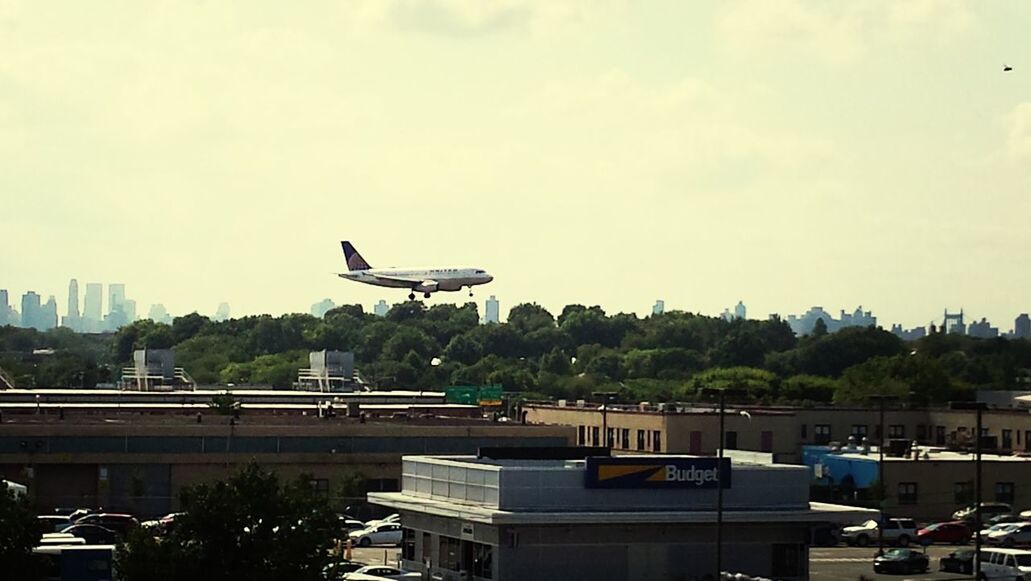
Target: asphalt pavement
850, 563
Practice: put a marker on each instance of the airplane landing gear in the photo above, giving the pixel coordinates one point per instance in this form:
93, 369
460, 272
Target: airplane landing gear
411, 296
425, 295
470, 291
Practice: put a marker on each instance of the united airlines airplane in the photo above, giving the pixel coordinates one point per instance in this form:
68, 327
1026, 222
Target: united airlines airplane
424, 280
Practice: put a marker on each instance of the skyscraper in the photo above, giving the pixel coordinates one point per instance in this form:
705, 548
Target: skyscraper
72, 320
5, 309
93, 307
381, 308
129, 307
48, 314
115, 297
1022, 327
659, 307
158, 314
30, 311
739, 310
492, 312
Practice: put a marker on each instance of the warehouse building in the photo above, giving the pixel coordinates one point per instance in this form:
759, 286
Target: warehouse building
641, 518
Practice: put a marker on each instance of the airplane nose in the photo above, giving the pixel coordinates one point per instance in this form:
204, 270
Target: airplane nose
489, 278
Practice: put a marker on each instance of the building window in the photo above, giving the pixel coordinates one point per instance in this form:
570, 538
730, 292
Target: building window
427, 547
921, 432
822, 433
859, 431
595, 438
625, 436
408, 544
483, 561
939, 435
1007, 439
448, 555
963, 493
581, 435
1004, 492
896, 431
320, 486
907, 493
805, 431
787, 560
610, 437
640, 439
656, 441
731, 440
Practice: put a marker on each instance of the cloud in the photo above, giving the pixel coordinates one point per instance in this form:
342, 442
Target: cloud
838, 32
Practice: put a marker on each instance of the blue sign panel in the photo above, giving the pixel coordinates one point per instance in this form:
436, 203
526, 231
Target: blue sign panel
656, 472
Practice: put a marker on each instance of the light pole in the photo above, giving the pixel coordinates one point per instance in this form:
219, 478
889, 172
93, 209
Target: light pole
606, 397
721, 393
882, 399
978, 407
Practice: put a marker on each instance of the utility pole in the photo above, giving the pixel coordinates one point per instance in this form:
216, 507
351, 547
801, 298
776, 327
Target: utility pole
882, 399
721, 393
978, 407
606, 397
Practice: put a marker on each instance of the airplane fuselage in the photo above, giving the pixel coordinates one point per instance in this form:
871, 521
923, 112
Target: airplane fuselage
421, 279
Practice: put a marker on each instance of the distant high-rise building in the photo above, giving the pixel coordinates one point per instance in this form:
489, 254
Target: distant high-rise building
803, 325
381, 308
740, 311
115, 297
1021, 326
659, 307
73, 320
982, 329
93, 307
129, 306
222, 312
31, 317
322, 307
158, 314
492, 312
48, 314
5, 309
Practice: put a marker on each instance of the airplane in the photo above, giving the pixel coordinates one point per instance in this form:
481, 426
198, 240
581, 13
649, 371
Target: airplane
424, 280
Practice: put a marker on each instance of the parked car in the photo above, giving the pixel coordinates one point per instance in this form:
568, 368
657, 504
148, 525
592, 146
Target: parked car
1011, 537
958, 562
988, 511
51, 523
896, 531
93, 534
120, 523
999, 527
901, 561
338, 570
382, 534
1007, 518
348, 524
953, 532
380, 572
1005, 563
79, 513
51, 539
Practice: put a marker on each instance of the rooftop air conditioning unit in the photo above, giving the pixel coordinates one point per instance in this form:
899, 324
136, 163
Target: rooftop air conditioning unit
561, 403
580, 403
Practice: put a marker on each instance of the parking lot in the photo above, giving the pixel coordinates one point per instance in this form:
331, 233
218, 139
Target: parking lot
848, 563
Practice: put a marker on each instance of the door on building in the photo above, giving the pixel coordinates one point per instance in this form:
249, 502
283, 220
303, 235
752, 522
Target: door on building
694, 445
766, 441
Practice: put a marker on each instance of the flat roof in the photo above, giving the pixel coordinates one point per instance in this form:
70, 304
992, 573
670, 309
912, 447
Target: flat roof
816, 512
935, 455
212, 391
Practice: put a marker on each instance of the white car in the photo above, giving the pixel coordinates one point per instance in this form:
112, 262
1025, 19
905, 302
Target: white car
999, 527
1005, 563
898, 531
1018, 535
380, 572
388, 533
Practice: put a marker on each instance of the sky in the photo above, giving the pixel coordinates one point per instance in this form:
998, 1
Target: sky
608, 152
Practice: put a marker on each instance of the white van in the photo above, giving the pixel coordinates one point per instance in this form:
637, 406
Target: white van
1006, 564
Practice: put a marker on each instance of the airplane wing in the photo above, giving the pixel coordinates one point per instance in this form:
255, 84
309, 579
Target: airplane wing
428, 284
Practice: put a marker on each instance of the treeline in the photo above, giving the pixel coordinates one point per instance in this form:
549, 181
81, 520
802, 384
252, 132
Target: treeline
667, 357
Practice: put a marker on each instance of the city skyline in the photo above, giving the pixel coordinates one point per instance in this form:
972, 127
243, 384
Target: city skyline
795, 154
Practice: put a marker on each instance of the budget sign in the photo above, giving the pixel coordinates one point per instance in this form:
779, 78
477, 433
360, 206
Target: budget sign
656, 472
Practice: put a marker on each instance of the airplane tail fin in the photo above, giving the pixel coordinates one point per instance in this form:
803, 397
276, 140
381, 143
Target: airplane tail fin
354, 260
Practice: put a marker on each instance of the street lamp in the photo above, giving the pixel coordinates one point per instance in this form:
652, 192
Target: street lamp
606, 398
882, 399
721, 392
978, 407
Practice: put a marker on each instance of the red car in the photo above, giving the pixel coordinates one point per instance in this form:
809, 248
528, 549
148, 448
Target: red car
953, 533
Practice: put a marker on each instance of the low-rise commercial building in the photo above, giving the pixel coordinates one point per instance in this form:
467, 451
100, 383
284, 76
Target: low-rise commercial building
637, 518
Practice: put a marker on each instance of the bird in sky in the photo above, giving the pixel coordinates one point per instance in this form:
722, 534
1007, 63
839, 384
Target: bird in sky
1006, 68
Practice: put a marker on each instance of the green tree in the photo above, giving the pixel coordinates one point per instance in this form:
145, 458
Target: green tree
19, 534
528, 317
464, 350
249, 526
